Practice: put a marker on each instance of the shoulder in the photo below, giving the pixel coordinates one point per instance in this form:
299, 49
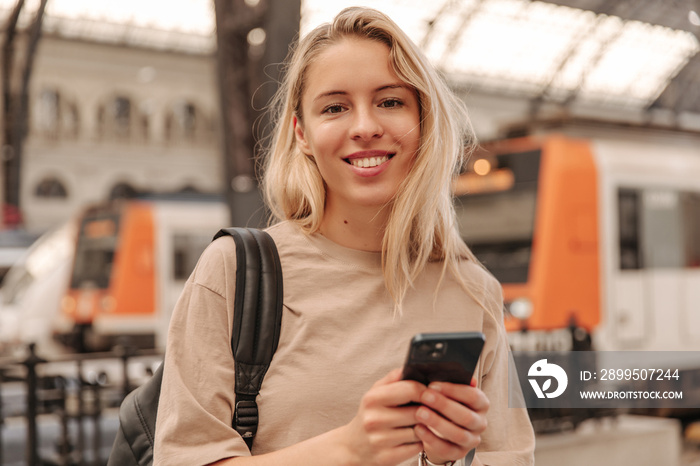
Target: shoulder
486, 289
217, 262
292, 242
286, 233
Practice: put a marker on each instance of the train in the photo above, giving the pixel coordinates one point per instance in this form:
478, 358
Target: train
131, 260
596, 240
32, 290
108, 276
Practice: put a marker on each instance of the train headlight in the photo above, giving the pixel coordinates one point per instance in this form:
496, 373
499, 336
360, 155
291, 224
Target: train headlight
109, 304
521, 308
68, 304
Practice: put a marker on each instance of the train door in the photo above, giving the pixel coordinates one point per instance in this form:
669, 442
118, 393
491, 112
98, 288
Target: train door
690, 212
656, 292
184, 231
628, 311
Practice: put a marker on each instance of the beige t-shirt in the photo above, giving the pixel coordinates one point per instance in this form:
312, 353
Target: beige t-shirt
339, 335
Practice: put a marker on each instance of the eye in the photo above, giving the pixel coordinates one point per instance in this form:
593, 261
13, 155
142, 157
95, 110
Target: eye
391, 103
334, 108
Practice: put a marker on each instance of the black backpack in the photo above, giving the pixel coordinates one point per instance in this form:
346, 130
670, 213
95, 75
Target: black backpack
256, 330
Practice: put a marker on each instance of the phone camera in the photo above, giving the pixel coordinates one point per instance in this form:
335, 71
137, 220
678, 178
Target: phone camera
430, 351
425, 348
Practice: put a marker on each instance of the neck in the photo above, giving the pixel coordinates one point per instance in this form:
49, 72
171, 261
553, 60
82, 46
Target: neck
362, 228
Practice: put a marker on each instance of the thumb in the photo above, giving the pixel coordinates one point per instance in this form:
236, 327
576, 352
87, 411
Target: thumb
391, 377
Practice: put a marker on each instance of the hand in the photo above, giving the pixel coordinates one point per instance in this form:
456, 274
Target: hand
451, 420
382, 433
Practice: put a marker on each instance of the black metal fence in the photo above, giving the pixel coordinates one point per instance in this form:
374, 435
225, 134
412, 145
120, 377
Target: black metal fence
75, 393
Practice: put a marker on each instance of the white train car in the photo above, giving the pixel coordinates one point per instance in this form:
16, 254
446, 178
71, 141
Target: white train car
598, 234
115, 271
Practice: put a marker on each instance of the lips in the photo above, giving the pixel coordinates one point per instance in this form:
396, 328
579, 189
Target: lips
369, 159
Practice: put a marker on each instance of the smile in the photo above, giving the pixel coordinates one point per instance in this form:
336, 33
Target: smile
369, 162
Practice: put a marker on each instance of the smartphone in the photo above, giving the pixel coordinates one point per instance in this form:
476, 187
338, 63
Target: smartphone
443, 357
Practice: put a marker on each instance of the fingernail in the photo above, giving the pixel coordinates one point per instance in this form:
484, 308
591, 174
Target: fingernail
423, 414
428, 397
437, 386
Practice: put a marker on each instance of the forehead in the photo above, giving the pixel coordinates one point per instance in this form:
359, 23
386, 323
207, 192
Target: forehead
352, 63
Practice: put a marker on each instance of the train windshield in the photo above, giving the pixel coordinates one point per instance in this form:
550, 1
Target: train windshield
97, 243
495, 206
44, 265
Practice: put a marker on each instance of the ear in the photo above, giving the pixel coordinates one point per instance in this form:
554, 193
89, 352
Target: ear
301, 138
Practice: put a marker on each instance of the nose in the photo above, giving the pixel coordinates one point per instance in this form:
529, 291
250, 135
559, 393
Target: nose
365, 125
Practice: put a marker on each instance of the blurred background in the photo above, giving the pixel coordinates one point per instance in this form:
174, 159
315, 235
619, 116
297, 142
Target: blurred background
129, 136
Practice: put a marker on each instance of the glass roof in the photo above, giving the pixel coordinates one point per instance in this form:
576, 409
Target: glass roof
516, 47
182, 25
536, 49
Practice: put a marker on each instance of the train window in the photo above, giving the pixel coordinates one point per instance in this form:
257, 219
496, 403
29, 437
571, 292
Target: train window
690, 205
659, 228
498, 226
662, 229
97, 244
186, 251
628, 224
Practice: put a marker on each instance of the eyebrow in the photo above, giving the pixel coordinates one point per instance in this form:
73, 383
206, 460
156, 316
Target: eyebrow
379, 89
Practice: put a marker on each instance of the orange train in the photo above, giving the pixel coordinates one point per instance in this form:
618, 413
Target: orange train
131, 262
598, 235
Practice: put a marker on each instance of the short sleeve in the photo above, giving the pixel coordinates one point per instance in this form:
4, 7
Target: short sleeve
509, 438
197, 396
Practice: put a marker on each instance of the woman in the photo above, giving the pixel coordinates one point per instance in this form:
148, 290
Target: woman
367, 141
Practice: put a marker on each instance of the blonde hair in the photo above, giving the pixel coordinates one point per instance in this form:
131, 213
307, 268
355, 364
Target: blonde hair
293, 186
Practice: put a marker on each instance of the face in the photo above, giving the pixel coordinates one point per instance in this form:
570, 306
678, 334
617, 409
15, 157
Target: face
360, 124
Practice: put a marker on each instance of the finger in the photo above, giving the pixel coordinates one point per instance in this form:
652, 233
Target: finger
454, 411
393, 394
398, 454
392, 376
376, 420
446, 429
440, 449
388, 438
467, 395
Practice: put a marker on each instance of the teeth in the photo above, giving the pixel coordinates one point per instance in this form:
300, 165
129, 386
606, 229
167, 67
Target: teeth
369, 161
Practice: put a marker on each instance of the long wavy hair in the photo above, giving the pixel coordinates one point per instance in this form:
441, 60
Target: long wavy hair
422, 222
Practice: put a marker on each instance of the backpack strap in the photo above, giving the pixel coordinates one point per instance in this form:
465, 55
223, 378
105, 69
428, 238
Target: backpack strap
256, 322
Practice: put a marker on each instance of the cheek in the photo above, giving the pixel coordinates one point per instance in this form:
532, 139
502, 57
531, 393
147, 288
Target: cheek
326, 142
412, 140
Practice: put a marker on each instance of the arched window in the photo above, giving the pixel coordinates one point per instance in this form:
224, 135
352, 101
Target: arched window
55, 116
120, 119
189, 189
48, 114
51, 188
184, 121
122, 191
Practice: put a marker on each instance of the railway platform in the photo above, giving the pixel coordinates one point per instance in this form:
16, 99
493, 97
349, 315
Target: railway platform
621, 441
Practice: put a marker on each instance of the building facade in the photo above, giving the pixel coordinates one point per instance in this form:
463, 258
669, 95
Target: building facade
109, 119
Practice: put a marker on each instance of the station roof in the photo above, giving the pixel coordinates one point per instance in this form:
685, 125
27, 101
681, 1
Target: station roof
630, 54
